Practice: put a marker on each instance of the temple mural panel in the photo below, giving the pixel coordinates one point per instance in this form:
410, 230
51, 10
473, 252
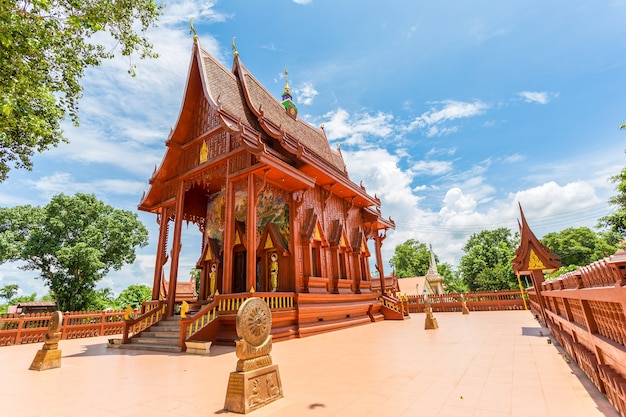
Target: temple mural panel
273, 207
216, 216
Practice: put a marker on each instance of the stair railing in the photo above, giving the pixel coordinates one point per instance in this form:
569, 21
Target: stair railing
147, 319
392, 304
225, 304
191, 325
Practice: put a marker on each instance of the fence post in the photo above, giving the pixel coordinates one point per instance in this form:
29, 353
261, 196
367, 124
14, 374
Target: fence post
102, 318
18, 336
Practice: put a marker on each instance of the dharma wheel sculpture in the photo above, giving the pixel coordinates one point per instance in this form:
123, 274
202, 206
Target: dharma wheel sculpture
256, 381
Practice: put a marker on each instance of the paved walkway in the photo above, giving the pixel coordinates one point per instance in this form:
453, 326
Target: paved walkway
489, 364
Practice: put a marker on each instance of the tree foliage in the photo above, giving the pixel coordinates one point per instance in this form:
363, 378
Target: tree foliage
486, 264
452, 281
616, 221
8, 292
45, 47
73, 242
133, 296
578, 246
411, 259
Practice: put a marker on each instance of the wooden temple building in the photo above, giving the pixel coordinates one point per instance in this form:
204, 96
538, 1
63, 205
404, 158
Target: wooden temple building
275, 209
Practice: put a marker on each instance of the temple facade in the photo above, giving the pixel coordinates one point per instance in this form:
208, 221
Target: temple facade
274, 205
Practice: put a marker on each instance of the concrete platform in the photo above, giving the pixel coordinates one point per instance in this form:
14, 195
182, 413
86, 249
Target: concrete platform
487, 364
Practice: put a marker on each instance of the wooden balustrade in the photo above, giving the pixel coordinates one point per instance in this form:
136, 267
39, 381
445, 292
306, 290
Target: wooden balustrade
475, 301
586, 313
18, 329
144, 321
193, 324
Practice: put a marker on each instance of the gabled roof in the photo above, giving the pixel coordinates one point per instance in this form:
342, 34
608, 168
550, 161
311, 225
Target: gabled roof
277, 123
531, 254
288, 148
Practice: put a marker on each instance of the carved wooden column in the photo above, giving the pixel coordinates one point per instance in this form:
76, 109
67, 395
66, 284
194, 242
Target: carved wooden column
356, 272
176, 246
378, 240
537, 277
161, 256
251, 222
229, 230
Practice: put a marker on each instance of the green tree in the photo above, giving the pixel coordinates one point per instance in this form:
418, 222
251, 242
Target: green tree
8, 292
45, 47
133, 296
411, 259
486, 264
578, 246
451, 278
73, 242
100, 299
616, 221
25, 298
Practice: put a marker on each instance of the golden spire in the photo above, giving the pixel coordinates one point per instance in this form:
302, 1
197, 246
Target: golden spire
287, 90
235, 53
192, 30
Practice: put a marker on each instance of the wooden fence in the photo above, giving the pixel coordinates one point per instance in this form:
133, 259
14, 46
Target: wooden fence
476, 301
586, 312
18, 329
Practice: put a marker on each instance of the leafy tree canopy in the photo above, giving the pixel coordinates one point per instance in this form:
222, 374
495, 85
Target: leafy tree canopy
45, 47
411, 259
616, 221
9, 291
579, 246
133, 296
73, 242
486, 264
451, 278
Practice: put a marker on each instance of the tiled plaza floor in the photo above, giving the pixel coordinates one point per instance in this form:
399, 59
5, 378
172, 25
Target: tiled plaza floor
489, 364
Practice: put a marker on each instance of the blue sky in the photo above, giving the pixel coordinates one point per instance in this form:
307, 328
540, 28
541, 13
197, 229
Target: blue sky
451, 112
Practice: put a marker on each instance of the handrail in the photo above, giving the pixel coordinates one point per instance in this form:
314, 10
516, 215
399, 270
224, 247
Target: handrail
193, 324
144, 321
391, 303
18, 329
228, 304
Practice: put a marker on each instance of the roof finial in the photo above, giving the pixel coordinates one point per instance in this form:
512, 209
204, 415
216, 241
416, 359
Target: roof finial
287, 90
192, 30
235, 53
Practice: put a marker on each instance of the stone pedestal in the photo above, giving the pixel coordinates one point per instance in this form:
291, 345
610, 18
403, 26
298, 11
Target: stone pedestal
464, 309
250, 390
46, 359
198, 348
430, 323
256, 381
49, 356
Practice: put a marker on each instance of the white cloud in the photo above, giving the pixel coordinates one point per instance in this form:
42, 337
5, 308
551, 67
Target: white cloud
302, 1
63, 182
434, 121
306, 93
432, 167
355, 129
514, 158
541, 97
176, 12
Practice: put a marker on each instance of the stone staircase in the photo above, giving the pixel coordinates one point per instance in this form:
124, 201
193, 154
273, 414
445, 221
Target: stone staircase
161, 337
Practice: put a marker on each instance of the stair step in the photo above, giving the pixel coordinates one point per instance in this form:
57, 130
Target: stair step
154, 341
161, 334
152, 348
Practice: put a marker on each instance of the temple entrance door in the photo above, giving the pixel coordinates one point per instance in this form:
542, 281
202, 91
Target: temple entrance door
239, 271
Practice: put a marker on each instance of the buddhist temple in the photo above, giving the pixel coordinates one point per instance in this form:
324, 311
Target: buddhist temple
274, 206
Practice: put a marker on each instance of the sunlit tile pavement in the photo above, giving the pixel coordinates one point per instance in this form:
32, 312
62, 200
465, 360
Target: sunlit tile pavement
485, 364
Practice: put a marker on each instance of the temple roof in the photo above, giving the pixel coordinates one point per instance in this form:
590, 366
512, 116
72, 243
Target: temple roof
247, 110
531, 254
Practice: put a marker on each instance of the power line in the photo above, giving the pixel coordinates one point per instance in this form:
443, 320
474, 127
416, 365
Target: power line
555, 220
